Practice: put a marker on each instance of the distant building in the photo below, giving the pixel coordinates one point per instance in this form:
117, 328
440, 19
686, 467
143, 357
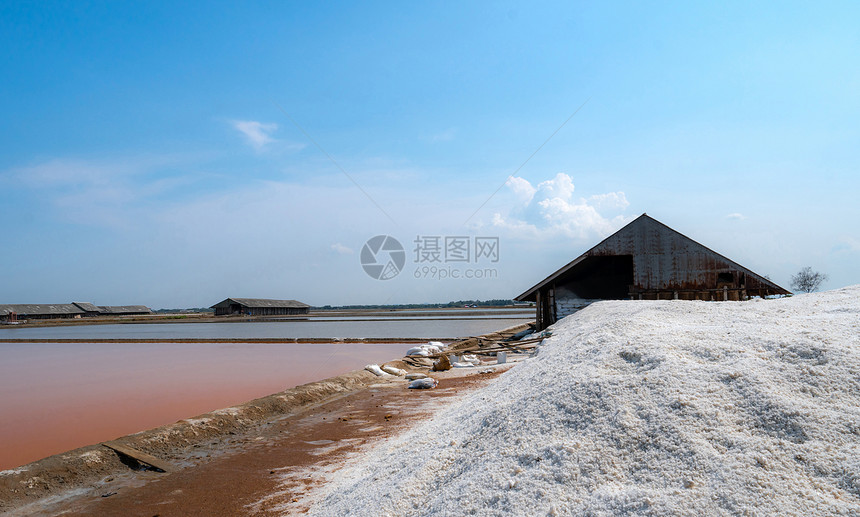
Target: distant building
46, 311
645, 260
124, 310
88, 308
40, 311
260, 307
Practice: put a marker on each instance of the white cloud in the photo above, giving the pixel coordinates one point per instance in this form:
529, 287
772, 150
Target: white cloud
609, 201
341, 249
736, 216
257, 133
550, 210
521, 188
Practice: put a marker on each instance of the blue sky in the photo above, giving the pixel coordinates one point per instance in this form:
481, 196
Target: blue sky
147, 152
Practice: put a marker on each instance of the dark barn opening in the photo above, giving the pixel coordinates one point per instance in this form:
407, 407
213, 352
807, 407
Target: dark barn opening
600, 277
725, 279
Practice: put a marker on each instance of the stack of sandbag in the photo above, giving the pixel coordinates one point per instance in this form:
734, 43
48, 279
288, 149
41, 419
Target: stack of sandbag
431, 348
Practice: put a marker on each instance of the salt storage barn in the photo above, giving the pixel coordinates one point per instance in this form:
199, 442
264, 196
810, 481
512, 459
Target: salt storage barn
43, 311
260, 307
645, 260
124, 310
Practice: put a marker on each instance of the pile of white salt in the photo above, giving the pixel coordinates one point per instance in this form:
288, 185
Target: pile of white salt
643, 407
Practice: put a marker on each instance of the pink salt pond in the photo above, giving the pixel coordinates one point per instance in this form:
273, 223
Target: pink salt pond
57, 397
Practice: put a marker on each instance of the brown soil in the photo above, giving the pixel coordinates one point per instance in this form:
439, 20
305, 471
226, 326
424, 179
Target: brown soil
270, 469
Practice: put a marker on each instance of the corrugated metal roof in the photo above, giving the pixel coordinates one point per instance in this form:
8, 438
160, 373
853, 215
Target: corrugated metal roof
124, 309
261, 302
86, 306
663, 259
40, 308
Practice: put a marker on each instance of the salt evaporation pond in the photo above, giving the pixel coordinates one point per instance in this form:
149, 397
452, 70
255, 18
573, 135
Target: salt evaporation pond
59, 396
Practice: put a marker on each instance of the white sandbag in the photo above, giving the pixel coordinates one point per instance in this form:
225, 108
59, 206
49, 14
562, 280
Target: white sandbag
394, 371
462, 365
417, 351
376, 370
438, 344
415, 375
432, 350
471, 358
423, 384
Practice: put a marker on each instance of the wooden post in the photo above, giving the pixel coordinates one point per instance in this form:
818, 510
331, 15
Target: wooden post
538, 311
142, 457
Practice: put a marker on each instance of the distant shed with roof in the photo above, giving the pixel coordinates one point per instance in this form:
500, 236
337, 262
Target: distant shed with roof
48, 311
260, 307
40, 311
645, 260
88, 309
124, 310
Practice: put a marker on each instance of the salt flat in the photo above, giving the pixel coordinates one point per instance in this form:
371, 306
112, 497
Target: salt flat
644, 407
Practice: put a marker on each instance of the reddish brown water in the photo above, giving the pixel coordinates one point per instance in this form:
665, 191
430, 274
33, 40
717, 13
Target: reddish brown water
57, 397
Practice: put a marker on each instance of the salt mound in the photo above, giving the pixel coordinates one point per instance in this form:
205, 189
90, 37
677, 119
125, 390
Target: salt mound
644, 407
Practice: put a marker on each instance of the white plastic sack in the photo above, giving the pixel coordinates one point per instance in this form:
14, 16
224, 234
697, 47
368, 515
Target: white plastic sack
471, 358
462, 365
423, 384
376, 370
429, 349
394, 371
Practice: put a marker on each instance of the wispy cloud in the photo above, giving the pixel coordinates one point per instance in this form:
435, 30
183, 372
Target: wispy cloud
847, 244
736, 216
444, 136
549, 209
100, 192
258, 134
341, 249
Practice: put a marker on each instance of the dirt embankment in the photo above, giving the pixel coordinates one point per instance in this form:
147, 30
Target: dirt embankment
83, 468
276, 469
